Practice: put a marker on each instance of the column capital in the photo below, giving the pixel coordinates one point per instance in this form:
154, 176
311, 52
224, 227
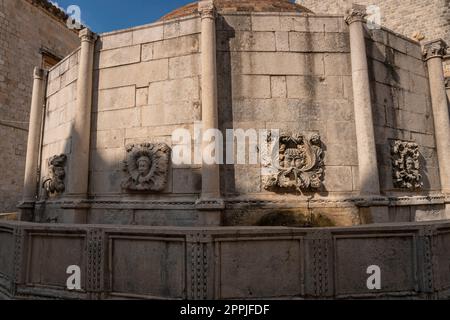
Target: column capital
39, 73
207, 9
434, 49
355, 15
87, 35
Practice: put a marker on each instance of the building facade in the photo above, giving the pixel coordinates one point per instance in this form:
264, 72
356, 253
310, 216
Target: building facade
424, 20
32, 33
362, 140
430, 18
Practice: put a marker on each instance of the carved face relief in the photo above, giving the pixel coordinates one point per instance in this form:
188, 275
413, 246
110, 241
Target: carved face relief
54, 182
299, 166
146, 167
406, 165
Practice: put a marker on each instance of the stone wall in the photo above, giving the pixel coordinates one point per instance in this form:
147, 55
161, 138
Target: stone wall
431, 18
275, 71
25, 30
224, 263
402, 104
288, 72
148, 86
59, 111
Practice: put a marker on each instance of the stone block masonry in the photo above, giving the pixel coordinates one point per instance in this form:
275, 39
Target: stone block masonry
283, 71
429, 18
26, 28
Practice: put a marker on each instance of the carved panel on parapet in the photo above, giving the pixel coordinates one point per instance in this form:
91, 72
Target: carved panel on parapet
54, 182
406, 165
298, 165
146, 167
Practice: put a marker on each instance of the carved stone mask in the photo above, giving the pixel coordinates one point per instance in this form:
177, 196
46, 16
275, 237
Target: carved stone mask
54, 182
146, 167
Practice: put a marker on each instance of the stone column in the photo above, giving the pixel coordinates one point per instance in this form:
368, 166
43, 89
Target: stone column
210, 202
434, 52
365, 134
77, 187
33, 148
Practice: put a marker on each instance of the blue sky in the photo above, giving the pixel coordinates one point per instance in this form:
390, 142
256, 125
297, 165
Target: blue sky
108, 15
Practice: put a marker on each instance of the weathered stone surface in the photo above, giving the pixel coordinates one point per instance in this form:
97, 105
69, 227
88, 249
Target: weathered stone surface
186, 181
118, 57
180, 112
234, 22
107, 159
248, 41
337, 64
69, 76
118, 119
318, 42
117, 40
170, 48
105, 182
247, 179
139, 74
185, 66
119, 98
266, 23
238, 285
281, 63
365, 252
306, 24
282, 41
338, 179
255, 87
148, 34
141, 96
180, 28
186, 89
278, 87
315, 88
314, 261
108, 139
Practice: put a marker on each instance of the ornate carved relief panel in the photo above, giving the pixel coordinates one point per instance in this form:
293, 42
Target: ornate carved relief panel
299, 164
406, 165
146, 167
54, 182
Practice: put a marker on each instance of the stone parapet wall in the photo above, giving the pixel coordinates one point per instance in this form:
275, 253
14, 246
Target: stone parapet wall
224, 263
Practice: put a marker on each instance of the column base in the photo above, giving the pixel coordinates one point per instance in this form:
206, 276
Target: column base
210, 212
75, 212
26, 211
371, 215
447, 211
74, 216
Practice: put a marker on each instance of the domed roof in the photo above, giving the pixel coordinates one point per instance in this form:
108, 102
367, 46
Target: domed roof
227, 6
